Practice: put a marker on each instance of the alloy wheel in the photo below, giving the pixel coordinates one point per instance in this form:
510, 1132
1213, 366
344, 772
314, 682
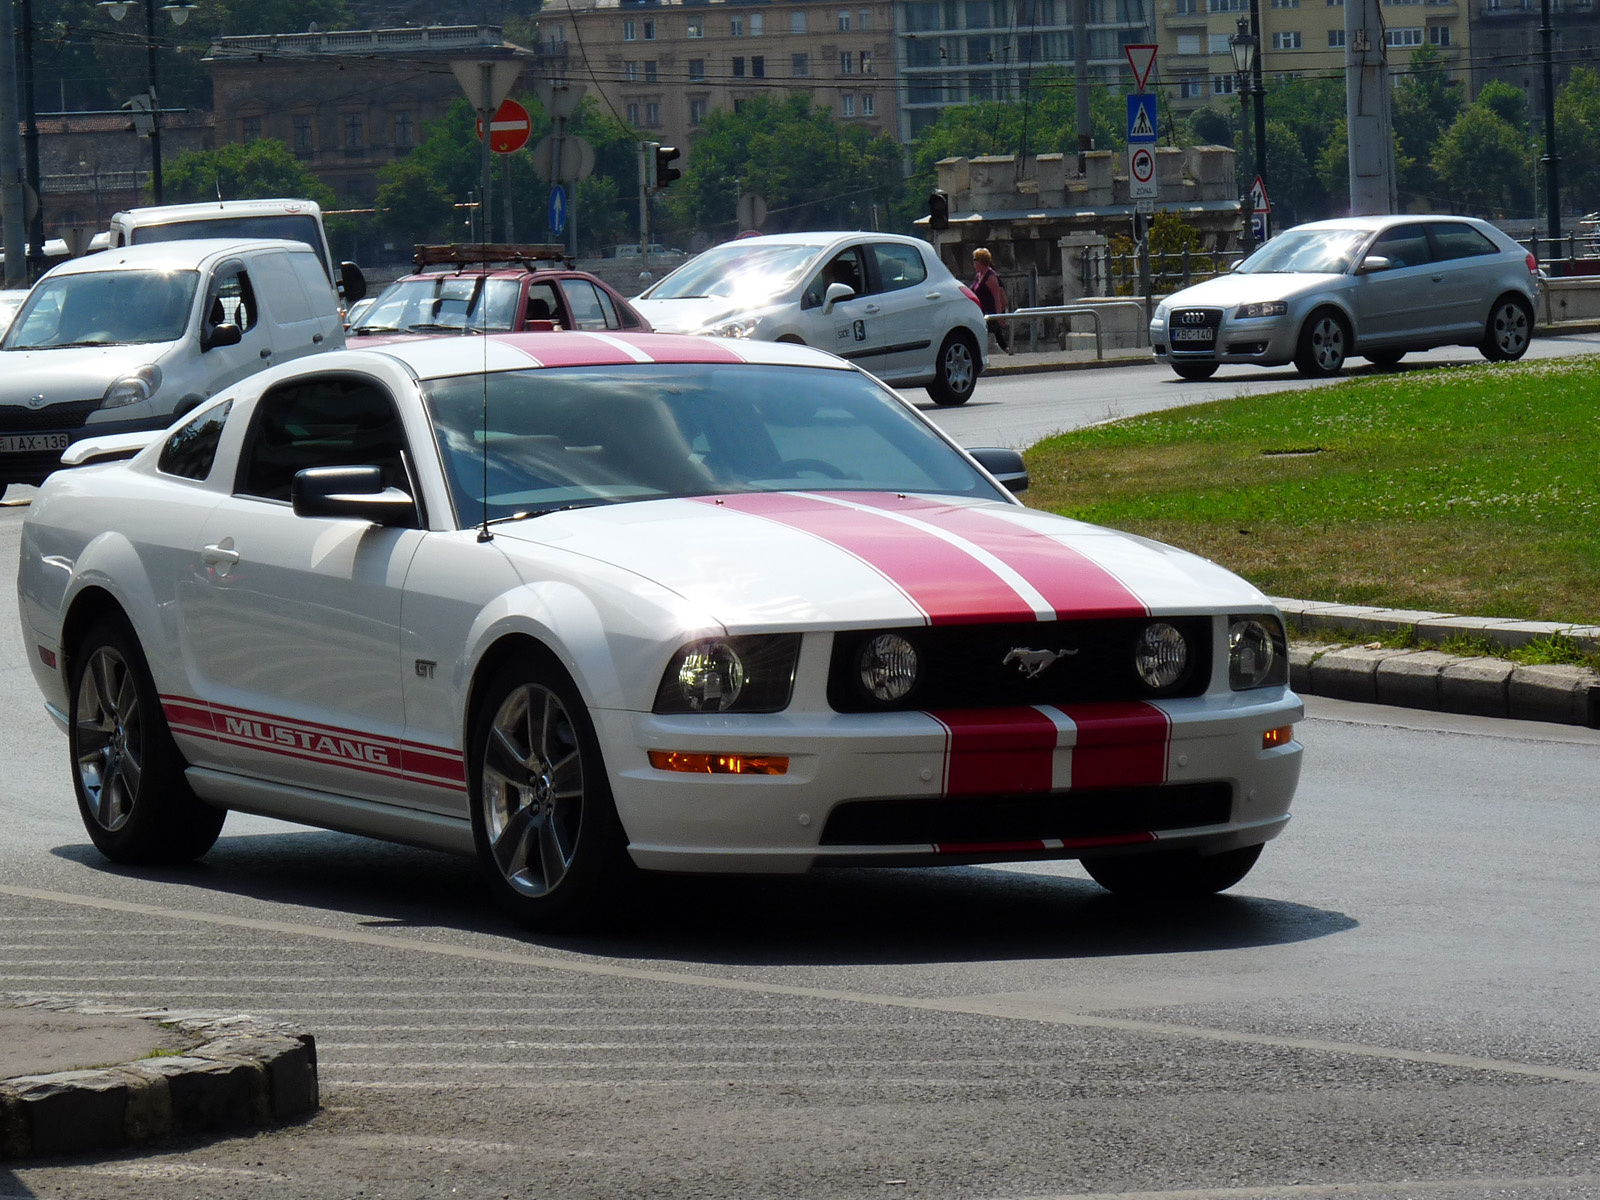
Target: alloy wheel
1509, 328
110, 738
532, 795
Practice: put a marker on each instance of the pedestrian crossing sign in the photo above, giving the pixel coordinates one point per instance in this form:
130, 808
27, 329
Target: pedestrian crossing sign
1141, 117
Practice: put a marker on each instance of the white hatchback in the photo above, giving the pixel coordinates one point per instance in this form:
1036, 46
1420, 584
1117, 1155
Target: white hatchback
882, 301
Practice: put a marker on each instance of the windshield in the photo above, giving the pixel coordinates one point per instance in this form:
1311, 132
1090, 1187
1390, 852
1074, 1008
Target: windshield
105, 308
443, 304
1307, 252
737, 269
604, 435
291, 227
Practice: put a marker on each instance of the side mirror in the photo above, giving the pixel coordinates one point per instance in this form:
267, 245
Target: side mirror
1004, 465
352, 283
350, 492
836, 293
1374, 262
225, 334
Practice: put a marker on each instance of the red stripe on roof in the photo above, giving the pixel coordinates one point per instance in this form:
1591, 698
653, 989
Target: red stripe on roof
567, 349
681, 348
1072, 583
997, 750
1120, 744
948, 584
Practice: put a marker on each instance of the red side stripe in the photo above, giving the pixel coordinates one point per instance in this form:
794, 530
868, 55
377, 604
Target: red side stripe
1070, 581
946, 582
1120, 744
997, 750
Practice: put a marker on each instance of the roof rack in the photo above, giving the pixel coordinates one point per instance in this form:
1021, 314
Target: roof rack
481, 253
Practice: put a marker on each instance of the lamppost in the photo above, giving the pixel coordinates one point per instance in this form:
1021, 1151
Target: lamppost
1247, 66
179, 12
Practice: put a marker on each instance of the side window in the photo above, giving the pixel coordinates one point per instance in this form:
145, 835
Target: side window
1403, 246
543, 304
585, 304
898, 266
192, 448
604, 299
843, 268
1451, 240
326, 421
233, 298
629, 318
319, 292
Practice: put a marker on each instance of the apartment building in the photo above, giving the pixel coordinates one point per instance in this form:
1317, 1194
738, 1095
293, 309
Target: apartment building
665, 67
1299, 39
1507, 44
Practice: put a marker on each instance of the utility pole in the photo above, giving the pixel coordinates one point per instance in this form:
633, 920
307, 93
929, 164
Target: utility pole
12, 197
1552, 189
30, 137
1368, 116
1258, 88
1080, 77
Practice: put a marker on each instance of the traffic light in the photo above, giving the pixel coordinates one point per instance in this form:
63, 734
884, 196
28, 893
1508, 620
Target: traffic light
650, 163
665, 172
938, 210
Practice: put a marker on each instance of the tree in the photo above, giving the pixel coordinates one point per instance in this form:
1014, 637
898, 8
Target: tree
1578, 138
1486, 162
1426, 103
243, 171
1209, 127
412, 205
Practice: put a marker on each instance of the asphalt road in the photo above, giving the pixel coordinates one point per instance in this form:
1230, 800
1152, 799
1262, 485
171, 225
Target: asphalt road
1401, 1001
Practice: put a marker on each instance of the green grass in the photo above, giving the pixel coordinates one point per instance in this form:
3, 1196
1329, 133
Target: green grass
1469, 490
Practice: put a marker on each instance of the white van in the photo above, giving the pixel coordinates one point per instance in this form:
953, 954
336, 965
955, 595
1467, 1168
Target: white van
295, 220
128, 340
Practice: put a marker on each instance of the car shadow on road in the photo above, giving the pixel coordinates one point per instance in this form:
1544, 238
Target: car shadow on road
833, 917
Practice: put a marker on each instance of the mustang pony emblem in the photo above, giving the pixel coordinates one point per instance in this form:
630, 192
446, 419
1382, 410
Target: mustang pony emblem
1033, 663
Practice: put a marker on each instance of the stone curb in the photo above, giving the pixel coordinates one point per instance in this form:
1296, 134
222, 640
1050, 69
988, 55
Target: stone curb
240, 1074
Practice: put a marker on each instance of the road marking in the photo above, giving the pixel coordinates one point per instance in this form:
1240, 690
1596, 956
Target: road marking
998, 1007
1404, 1187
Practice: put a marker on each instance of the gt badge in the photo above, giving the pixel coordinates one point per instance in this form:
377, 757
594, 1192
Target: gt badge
1034, 663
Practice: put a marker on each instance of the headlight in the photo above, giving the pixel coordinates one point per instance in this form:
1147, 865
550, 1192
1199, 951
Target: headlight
1161, 315
888, 667
1258, 654
739, 327
1273, 308
1161, 656
133, 387
734, 674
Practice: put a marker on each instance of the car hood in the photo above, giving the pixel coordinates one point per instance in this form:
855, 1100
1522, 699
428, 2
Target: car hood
1226, 290
74, 373
787, 560
692, 314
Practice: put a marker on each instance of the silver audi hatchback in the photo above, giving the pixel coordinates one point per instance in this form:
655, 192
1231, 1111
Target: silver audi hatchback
1373, 287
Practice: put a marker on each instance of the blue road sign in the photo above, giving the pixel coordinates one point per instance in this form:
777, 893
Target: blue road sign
1141, 118
1258, 227
558, 210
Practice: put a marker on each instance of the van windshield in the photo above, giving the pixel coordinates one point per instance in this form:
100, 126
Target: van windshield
292, 227
104, 308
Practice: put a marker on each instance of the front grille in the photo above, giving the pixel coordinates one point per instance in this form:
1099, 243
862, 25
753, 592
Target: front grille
1193, 329
1070, 816
16, 418
964, 666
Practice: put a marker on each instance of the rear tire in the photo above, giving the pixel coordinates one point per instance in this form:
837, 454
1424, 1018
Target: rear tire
956, 370
1324, 342
1195, 370
126, 769
1171, 874
1510, 329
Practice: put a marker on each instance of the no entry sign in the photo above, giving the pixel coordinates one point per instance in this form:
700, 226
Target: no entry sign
509, 128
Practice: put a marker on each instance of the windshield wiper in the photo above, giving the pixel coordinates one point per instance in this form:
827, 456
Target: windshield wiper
529, 514
69, 345
432, 327
360, 329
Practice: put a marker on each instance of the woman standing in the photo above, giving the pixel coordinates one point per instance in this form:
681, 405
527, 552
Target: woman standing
991, 294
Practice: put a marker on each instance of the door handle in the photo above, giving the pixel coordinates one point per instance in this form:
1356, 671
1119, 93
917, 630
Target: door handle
871, 308
267, 353
316, 339
1438, 278
221, 554
930, 295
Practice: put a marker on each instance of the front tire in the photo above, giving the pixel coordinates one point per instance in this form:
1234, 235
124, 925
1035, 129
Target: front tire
1171, 874
1324, 342
1509, 330
956, 370
126, 769
549, 842
1385, 359
1195, 371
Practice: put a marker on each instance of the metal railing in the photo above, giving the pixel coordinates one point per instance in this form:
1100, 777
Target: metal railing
1068, 311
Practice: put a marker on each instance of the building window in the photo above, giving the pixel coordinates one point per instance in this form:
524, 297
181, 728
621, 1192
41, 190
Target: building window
650, 74
922, 17
1224, 6
1222, 85
847, 106
800, 65
865, 58
697, 112
758, 67
1335, 3
869, 105
650, 29
633, 114
1289, 40
738, 68
352, 132
697, 70
630, 31
652, 115
1439, 35
797, 21
1191, 87
1188, 43
847, 63
844, 20
864, 20
250, 129
1218, 44
302, 136
735, 26
1285, 3
1401, 38
630, 72
405, 135
697, 27
1186, 8
1335, 39
755, 24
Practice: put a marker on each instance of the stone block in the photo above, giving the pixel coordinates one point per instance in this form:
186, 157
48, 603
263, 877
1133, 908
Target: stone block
1412, 680
1300, 656
1563, 694
210, 1095
1475, 686
148, 1115
955, 175
72, 1111
1349, 674
292, 1079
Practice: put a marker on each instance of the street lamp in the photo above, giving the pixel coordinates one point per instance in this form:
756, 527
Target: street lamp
179, 12
1247, 65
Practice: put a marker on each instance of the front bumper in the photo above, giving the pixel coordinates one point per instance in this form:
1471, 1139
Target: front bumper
1265, 341
975, 786
55, 432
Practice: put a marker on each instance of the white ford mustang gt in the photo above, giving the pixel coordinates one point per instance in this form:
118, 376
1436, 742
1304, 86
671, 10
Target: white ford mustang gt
580, 603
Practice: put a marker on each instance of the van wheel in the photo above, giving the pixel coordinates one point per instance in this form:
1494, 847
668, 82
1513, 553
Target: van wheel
1324, 342
1510, 328
956, 371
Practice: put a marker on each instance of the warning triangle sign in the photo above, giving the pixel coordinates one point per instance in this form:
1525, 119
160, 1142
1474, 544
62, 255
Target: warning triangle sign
1141, 128
1141, 58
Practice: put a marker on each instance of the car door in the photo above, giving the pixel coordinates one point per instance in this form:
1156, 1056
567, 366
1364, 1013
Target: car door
1467, 266
852, 328
1401, 304
296, 329
899, 279
294, 635
590, 307
232, 298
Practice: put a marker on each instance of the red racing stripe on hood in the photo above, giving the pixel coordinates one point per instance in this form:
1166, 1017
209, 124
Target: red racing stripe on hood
947, 583
997, 750
1071, 582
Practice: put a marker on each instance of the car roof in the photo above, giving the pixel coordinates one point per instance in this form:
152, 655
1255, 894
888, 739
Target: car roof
436, 358
1375, 223
492, 272
157, 214
187, 255
823, 238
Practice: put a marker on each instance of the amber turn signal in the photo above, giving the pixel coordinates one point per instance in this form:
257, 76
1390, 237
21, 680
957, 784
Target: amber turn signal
1281, 736
719, 764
